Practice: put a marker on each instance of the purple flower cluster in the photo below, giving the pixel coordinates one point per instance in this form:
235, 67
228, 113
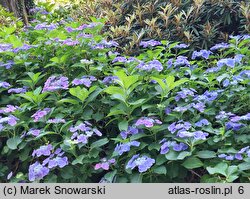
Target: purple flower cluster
202, 122
45, 150
155, 64
105, 44
180, 61
9, 109
120, 59
197, 135
70, 42
199, 106
81, 27
109, 80
82, 132
56, 121
45, 26
149, 43
5, 47
184, 93
104, 164
84, 35
147, 122
207, 96
202, 53
40, 114
165, 147
122, 148
220, 46
180, 46
84, 80
179, 126
182, 131
38, 171
18, 90
131, 131
239, 37
238, 156
10, 120
4, 85
54, 83
230, 62
143, 163
8, 64
23, 48
34, 132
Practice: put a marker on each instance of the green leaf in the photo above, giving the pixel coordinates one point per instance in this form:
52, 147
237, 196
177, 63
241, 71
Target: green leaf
172, 155
67, 173
220, 168
110, 176
244, 166
161, 159
12, 143
68, 100
123, 125
160, 170
136, 178
183, 154
80, 93
99, 143
192, 163
206, 154
78, 160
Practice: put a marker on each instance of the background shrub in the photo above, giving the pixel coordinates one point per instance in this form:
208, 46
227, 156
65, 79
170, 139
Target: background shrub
72, 109
201, 23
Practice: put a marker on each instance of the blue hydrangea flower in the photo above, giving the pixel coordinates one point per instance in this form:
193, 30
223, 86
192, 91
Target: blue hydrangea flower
147, 122
180, 125
202, 122
122, 148
120, 59
84, 80
199, 135
18, 90
131, 131
202, 53
199, 106
58, 161
143, 163
149, 43
180, 147
238, 156
234, 126
181, 61
43, 150
184, 93
37, 171
180, 46
155, 64
4, 85
220, 46
110, 80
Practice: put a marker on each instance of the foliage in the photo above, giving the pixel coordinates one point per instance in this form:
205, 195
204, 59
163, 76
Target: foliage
199, 22
73, 110
8, 19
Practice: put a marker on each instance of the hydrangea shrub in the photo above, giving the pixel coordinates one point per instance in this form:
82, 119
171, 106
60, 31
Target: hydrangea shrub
72, 109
